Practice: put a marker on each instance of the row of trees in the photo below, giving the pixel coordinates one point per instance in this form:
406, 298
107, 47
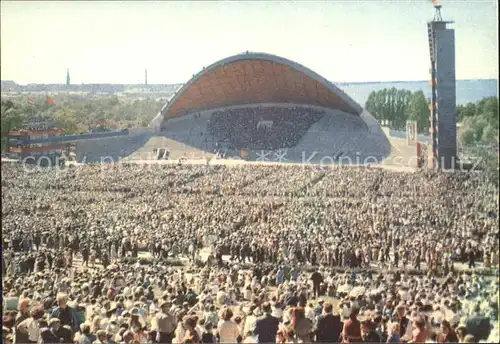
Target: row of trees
393, 107
479, 132
479, 122
76, 114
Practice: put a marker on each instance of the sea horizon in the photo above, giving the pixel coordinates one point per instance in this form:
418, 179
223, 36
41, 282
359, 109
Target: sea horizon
405, 81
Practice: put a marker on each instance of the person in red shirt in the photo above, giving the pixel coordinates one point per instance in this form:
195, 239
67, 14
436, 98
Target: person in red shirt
420, 334
352, 328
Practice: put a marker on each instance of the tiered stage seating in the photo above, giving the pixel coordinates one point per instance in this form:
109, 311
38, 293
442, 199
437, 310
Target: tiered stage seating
110, 149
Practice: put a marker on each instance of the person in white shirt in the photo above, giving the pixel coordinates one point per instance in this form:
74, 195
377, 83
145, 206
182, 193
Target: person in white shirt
129, 303
404, 294
211, 316
222, 297
227, 329
30, 325
180, 333
215, 286
232, 296
406, 332
254, 283
200, 327
277, 310
247, 294
309, 310
250, 320
249, 338
153, 307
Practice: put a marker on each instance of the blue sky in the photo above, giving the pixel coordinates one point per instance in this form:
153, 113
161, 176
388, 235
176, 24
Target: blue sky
345, 41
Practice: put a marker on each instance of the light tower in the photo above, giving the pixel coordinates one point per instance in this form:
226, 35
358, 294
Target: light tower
443, 110
146, 76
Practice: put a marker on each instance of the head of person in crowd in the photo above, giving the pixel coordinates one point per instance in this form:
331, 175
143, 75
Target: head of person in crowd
227, 314
354, 312
37, 312
400, 311
266, 308
62, 300
23, 306
327, 308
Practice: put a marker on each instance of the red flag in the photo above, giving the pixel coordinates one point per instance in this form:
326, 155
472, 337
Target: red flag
49, 101
31, 100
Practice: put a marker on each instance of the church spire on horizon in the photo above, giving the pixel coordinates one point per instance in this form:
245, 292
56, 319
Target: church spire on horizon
67, 77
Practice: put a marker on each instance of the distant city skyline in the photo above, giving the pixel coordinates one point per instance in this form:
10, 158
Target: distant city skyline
181, 83
344, 41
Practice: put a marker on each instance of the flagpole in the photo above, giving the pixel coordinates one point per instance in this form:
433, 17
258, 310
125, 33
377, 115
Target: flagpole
32, 107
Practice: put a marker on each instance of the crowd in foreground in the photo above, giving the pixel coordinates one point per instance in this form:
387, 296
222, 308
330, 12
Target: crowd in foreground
273, 254
262, 127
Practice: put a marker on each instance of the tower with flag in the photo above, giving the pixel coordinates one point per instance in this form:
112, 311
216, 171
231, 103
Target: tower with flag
443, 117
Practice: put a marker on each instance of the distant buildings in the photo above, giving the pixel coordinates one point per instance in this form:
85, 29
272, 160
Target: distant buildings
131, 90
8, 86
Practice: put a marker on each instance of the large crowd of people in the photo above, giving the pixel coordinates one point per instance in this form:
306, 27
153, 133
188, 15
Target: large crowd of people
262, 127
247, 254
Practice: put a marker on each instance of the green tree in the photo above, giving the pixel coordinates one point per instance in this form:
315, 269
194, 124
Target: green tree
487, 108
370, 106
389, 106
76, 114
65, 118
11, 119
489, 162
481, 120
490, 135
477, 124
418, 110
479, 134
464, 111
467, 136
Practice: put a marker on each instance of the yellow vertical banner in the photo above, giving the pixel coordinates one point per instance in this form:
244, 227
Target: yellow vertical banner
411, 132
